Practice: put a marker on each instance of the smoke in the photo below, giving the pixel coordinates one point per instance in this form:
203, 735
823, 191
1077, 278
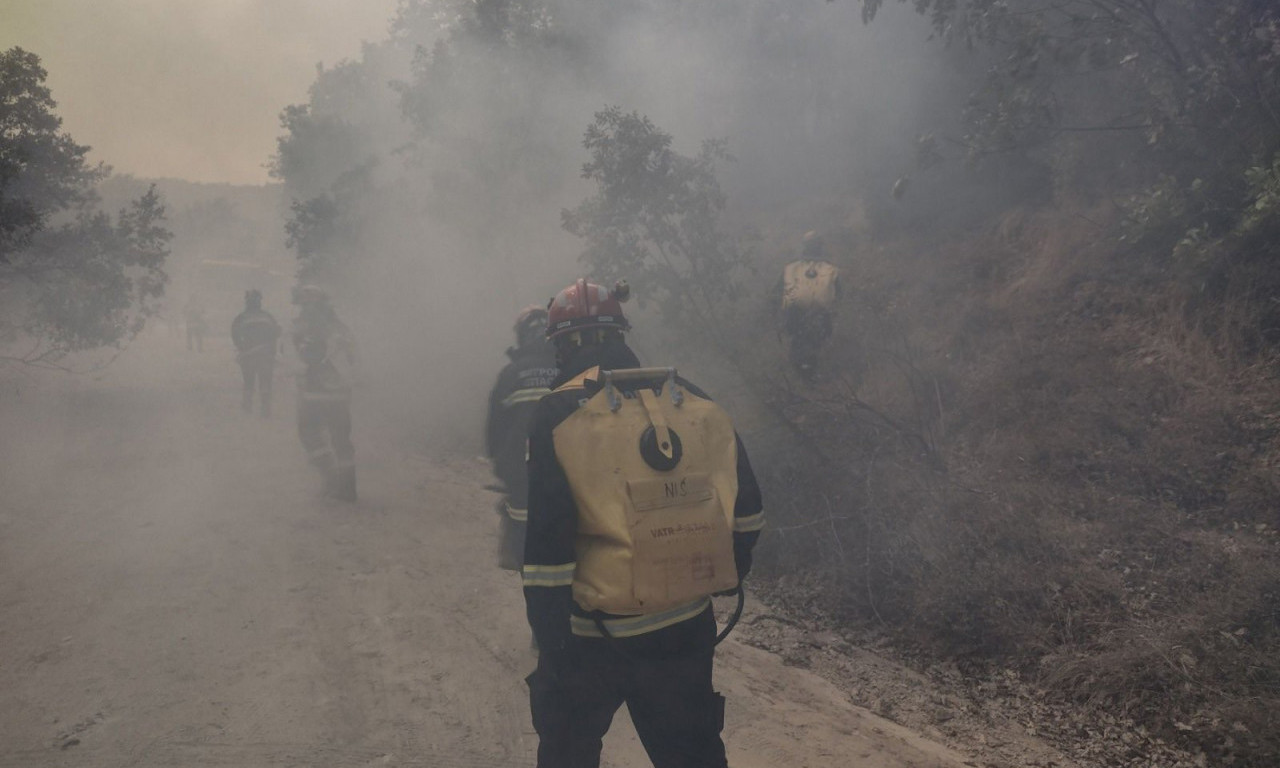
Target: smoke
450, 141
451, 147
185, 89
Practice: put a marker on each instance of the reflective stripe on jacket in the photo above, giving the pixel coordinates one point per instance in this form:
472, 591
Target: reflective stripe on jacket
524, 381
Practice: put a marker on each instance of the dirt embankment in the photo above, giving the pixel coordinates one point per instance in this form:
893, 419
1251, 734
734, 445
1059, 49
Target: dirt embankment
1031, 458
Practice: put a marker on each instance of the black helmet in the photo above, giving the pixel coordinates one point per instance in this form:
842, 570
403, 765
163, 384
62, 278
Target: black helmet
811, 245
531, 325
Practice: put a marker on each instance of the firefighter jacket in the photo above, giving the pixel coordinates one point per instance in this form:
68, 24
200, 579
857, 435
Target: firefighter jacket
328, 355
555, 542
254, 333
520, 385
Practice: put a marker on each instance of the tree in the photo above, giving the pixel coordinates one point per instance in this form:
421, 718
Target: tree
1171, 107
1193, 80
42, 170
324, 230
654, 217
71, 278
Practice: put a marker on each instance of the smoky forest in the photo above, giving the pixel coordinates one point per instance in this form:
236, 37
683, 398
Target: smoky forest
1022, 488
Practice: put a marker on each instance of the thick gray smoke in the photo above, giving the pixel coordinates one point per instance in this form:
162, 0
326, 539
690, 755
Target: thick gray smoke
448, 151
185, 89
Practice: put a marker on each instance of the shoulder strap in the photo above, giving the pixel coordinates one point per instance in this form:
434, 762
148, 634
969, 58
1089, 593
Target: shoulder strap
580, 381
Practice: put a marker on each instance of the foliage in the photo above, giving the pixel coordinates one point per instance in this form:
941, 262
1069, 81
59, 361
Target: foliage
1220, 249
324, 230
1106, 521
444, 127
1157, 217
654, 217
314, 148
98, 279
72, 278
478, 102
42, 170
1184, 83
1263, 209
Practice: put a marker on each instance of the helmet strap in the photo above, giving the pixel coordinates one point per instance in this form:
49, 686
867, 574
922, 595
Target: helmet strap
568, 343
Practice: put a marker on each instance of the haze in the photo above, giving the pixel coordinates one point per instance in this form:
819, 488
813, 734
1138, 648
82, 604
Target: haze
187, 89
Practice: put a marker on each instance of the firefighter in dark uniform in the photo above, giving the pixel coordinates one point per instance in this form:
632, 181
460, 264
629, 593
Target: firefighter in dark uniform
521, 384
642, 505
809, 288
325, 347
255, 333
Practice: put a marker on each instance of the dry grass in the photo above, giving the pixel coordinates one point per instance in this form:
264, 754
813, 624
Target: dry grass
1050, 456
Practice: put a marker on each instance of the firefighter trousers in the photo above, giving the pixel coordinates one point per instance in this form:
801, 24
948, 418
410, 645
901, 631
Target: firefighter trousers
807, 329
257, 372
512, 536
678, 716
324, 427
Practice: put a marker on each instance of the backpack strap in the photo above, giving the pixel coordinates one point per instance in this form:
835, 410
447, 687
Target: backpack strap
580, 381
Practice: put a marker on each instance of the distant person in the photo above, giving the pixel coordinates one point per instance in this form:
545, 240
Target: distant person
327, 351
197, 324
520, 385
810, 286
255, 334
165, 316
642, 505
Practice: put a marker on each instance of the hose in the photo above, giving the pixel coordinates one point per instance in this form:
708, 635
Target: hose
737, 614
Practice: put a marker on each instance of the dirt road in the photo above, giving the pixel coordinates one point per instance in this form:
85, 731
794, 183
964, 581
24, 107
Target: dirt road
173, 592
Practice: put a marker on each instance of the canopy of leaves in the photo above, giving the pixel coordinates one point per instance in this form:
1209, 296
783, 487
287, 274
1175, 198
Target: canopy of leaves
441, 126
1197, 82
71, 277
325, 229
1170, 107
42, 170
653, 218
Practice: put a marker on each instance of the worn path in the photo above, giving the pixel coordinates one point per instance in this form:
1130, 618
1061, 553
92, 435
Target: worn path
174, 593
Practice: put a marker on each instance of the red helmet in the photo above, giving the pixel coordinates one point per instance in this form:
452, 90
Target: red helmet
587, 305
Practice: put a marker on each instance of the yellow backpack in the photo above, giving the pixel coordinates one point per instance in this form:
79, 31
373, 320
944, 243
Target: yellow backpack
809, 283
654, 475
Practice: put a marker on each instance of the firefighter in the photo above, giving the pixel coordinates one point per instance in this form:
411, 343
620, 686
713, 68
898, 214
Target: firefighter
521, 384
642, 505
255, 334
325, 347
810, 286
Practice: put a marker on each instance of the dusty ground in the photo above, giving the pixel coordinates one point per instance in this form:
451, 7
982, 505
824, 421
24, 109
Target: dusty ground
173, 592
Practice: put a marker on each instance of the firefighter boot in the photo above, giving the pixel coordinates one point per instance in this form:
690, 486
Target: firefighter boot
344, 487
331, 482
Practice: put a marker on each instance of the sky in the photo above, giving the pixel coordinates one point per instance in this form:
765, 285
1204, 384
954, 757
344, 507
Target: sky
188, 89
